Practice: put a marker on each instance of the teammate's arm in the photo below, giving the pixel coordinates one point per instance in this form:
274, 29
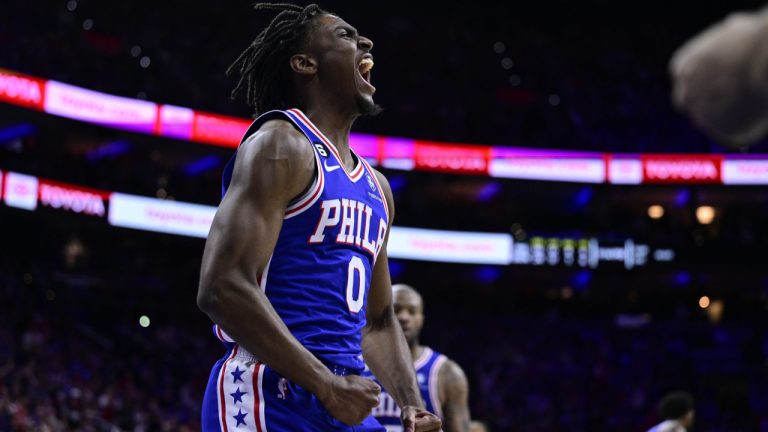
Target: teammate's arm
720, 78
384, 347
454, 397
272, 167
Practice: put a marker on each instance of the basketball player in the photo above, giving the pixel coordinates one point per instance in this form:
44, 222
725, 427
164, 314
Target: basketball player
295, 273
720, 78
677, 411
442, 383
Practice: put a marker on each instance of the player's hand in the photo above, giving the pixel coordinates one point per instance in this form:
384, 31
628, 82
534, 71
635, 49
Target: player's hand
351, 398
419, 420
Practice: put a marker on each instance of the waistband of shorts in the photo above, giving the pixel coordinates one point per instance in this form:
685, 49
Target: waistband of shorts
246, 357
341, 370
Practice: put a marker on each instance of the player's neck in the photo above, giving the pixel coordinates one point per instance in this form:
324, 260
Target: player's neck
416, 350
336, 127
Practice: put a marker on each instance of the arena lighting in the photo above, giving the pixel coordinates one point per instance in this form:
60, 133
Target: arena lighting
488, 192
20, 191
705, 214
655, 211
194, 220
704, 302
396, 268
682, 198
202, 165
15, 132
450, 246
583, 197
683, 278
487, 274
581, 279
144, 321
663, 255
396, 153
109, 150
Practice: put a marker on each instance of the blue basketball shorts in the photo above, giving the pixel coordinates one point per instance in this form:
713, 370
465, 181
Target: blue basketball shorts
244, 394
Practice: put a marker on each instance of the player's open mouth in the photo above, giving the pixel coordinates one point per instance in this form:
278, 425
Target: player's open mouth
364, 68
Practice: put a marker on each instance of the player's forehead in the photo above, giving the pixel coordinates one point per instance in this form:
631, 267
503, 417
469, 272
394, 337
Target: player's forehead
407, 298
330, 22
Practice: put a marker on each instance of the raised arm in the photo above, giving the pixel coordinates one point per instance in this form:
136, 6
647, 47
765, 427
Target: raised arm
454, 397
384, 346
273, 166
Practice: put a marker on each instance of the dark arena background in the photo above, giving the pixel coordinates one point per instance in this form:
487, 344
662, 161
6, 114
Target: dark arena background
581, 247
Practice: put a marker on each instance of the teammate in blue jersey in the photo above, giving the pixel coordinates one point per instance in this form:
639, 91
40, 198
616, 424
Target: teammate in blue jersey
295, 272
442, 383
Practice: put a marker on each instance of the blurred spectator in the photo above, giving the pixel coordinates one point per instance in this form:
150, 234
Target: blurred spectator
677, 411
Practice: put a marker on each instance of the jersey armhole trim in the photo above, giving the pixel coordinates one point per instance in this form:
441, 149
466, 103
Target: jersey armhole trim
311, 196
423, 358
434, 374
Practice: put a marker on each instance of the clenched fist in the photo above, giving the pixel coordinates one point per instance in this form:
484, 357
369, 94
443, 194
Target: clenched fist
351, 398
419, 420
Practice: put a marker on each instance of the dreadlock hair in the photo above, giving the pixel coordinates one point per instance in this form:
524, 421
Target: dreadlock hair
265, 75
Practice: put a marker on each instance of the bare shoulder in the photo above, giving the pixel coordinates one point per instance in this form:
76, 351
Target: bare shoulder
387, 190
277, 139
451, 377
451, 371
283, 156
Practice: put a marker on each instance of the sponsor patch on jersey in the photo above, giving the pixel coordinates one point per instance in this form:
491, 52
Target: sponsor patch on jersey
321, 149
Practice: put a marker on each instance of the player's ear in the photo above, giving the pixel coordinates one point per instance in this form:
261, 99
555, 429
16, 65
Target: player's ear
303, 64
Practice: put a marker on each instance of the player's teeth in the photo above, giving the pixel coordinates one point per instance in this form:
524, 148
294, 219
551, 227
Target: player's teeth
366, 65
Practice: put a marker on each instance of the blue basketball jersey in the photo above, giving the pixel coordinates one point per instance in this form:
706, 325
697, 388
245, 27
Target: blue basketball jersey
427, 367
319, 274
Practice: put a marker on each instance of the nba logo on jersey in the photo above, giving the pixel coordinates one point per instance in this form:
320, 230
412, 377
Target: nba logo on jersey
282, 387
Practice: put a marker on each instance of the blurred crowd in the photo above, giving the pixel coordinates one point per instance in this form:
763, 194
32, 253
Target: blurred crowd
73, 355
61, 377
534, 373
528, 373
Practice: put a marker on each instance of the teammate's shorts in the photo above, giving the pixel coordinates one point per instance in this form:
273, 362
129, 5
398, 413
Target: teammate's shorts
246, 395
